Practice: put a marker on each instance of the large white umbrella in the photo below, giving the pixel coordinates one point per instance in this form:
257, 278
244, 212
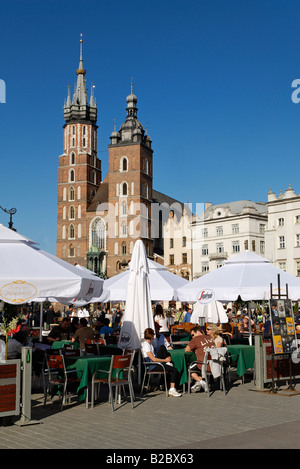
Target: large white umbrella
163, 284
28, 273
212, 312
138, 314
247, 275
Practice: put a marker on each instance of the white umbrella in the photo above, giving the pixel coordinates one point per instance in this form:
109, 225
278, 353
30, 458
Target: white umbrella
138, 311
212, 312
247, 275
28, 273
163, 284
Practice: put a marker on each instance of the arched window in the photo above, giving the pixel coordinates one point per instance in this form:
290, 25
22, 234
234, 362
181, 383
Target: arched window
71, 194
116, 249
71, 251
72, 158
64, 193
124, 164
83, 130
71, 213
124, 188
64, 250
98, 233
124, 208
73, 130
124, 248
72, 175
71, 232
124, 229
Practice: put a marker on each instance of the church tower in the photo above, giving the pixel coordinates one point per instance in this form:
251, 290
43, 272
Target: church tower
79, 171
129, 189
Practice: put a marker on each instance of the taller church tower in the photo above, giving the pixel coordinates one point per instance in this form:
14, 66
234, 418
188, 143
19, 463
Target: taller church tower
79, 171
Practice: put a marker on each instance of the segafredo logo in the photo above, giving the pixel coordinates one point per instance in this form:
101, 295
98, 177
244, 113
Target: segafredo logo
206, 296
125, 338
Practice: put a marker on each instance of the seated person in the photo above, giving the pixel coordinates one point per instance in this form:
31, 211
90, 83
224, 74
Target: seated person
165, 360
105, 329
83, 332
159, 340
199, 343
14, 345
213, 332
61, 332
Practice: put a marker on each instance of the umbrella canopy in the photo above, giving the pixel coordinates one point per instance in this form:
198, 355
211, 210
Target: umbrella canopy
138, 311
247, 275
212, 312
28, 273
163, 284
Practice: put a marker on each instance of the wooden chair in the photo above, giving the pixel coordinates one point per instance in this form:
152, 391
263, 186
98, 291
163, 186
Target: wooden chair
119, 364
58, 376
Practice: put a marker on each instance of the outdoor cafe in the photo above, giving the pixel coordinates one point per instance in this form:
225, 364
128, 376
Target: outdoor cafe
114, 364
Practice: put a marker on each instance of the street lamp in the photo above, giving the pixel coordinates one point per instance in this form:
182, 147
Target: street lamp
11, 212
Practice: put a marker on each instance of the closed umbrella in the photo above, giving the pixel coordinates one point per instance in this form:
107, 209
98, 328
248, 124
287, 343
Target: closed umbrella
138, 311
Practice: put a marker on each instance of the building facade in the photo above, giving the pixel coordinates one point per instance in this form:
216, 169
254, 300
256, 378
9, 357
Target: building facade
224, 230
283, 231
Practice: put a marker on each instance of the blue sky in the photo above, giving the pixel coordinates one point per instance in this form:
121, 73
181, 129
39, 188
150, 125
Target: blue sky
213, 82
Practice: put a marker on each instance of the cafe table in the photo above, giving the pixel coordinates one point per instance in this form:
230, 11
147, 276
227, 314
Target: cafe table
86, 366
60, 344
245, 355
182, 360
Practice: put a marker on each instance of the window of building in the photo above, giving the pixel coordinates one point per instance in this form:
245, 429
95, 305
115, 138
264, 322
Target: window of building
73, 129
124, 164
171, 259
78, 250
219, 230
171, 243
262, 228
98, 233
235, 246
262, 247
220, 247
281, 242
71, 213
204, 250
116, 250
124, 250
204, 233
64, 251
219, 264
184, 242
297, 219
297, 240
71, 194
72, 175
280, 221
124, 208
282, 265
235, 229
124, 228
184, 258
204, 267
71, 251
124, 188
72, 158
71, 232
298, 269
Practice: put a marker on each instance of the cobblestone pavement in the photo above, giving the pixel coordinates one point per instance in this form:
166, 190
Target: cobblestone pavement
244, 418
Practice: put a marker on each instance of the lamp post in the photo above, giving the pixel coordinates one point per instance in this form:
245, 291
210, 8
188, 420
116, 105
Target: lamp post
10, 212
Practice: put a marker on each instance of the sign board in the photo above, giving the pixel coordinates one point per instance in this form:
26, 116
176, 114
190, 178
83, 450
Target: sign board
282, 326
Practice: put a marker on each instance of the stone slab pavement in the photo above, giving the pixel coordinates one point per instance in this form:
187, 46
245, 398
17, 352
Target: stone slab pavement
242, 419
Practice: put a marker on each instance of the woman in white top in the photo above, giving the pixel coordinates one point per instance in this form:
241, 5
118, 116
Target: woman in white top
149, 356
161, 320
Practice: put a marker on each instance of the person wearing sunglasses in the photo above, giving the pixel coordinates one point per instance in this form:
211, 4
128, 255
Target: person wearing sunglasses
199, 343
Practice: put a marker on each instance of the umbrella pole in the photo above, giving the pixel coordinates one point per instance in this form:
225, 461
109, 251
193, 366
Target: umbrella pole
250, 326
41, 322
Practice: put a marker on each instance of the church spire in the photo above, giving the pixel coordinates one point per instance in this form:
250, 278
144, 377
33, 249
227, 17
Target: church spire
79, 109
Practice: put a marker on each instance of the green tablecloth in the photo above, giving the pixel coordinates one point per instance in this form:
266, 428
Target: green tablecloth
245, 355
87, 365
181, 360
60, 343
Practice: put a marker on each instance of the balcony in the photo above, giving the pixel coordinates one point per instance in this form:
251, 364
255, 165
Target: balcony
218, 256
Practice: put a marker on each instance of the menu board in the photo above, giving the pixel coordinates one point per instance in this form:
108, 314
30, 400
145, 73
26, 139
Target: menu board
283, 326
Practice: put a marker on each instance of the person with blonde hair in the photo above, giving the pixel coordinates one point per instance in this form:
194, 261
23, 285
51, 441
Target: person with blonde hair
213, 332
